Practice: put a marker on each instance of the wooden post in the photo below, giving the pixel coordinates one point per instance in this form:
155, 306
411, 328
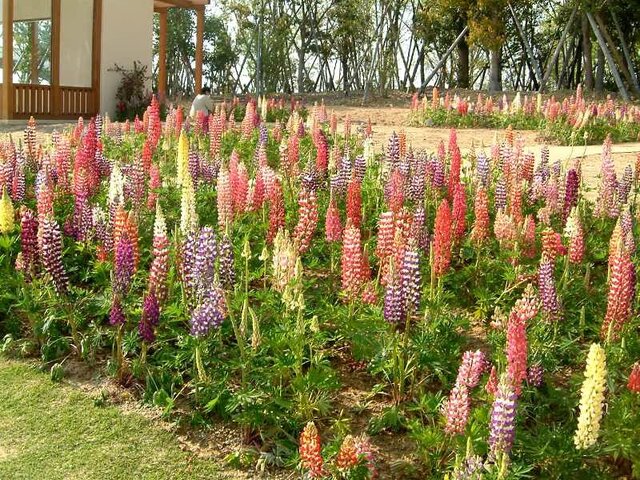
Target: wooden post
535, 66
55, 58
162, 56
607, 55
199, 48
7, 60
625, 50
96, 55
553, 59
443, 59
33, 61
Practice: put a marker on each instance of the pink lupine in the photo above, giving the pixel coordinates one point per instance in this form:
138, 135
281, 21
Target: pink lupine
456, 410
307, 219
622, 280
351, 262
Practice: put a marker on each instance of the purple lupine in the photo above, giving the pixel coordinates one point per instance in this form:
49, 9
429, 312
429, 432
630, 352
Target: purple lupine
411, 285
264, 134
470, 468
188, 264
624, 187
116, 314
226, 264
51, 254
344, 173
570, 193
28, 241
360, 167
209, 314
206, 253
482, 169
417, 185
534, 374
193, 164
310, 178
393, 302
547, 288
438, 172
149, 319
501, 194
124, 265
471, 369
502, 428
393, 150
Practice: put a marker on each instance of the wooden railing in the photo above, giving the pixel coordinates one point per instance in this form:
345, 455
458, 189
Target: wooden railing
76, 101
31, 100
47, 102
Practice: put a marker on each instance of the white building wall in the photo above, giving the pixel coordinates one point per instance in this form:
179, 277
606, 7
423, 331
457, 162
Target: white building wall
76, 39
127, 36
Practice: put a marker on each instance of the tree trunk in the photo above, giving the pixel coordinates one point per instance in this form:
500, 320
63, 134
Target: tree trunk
600, 71
495, 76
586, 53
345, 72
463, 63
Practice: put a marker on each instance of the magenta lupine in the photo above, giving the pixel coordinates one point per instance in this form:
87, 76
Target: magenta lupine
456, 410
116, 314
150, 318
570, 193
502, 428
209, 314
51, 254
28, 241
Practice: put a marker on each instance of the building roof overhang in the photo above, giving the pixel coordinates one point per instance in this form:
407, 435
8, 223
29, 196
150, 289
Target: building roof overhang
164, 4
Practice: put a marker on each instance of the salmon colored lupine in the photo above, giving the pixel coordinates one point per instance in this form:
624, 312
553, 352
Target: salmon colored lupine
311, 452
333, 224
354, 202
634, 378
442, 240
480, 229
459, 212
351, 262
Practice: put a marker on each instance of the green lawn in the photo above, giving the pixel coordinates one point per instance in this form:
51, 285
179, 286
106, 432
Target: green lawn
50, 431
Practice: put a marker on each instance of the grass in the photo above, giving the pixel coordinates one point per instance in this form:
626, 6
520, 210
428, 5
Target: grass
53, 431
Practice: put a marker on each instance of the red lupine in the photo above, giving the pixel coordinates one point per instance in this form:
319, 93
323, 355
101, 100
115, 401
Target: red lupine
454, 172
459, 212
492, 382
28, 241
354, 202
442, 240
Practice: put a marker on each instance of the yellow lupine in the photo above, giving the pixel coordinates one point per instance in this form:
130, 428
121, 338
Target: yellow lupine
182, 159
6, 213
592, 398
